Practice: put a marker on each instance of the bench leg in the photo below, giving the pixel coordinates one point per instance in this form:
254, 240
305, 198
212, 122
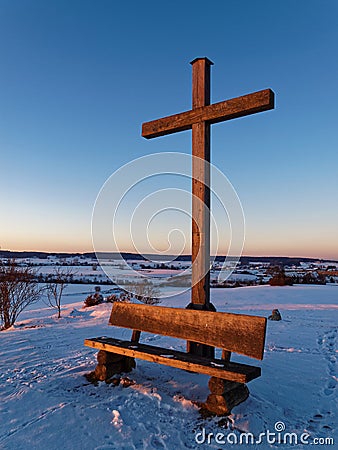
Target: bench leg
224, 396
110, 364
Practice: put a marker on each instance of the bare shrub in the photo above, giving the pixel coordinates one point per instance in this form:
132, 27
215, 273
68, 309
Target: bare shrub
123, 297
55, 286
145, 291
19, 288
94, 299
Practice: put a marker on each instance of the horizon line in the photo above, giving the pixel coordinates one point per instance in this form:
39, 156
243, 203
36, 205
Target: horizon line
75, 253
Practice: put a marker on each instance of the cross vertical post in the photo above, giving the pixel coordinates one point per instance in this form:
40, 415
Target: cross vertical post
199, 119
200, 245
200, 292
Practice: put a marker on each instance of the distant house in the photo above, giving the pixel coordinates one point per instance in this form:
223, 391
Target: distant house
259, 264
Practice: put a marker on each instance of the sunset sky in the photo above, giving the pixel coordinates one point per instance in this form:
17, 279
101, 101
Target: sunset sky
78, 78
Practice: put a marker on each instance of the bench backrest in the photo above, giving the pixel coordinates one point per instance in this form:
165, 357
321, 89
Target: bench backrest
237, 333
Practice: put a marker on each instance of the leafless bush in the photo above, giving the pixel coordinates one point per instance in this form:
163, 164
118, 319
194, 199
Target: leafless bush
57, 283
19, 288
145, 291
123, 297
94, 299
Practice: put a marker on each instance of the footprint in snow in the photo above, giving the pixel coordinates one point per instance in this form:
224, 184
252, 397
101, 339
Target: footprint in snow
327, 346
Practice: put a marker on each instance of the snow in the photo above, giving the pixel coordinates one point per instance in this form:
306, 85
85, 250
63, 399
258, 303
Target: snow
45, 401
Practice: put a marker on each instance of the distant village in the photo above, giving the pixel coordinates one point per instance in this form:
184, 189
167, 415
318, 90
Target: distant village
87, 269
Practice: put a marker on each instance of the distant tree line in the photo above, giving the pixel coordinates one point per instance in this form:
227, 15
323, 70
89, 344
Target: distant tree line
279, 277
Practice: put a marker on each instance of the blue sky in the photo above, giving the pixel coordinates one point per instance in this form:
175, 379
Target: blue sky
78, 78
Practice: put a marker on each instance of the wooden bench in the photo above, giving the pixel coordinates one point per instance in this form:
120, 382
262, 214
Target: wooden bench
237, 333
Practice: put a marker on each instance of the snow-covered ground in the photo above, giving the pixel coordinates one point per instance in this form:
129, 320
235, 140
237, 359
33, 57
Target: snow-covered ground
46, 402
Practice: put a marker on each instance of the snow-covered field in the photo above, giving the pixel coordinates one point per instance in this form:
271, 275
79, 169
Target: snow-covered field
46, 402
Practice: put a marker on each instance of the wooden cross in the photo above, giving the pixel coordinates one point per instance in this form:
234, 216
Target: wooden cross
199, 119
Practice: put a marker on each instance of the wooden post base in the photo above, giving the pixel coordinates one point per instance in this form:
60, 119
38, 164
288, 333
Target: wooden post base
194, 347
110, 364
224, 396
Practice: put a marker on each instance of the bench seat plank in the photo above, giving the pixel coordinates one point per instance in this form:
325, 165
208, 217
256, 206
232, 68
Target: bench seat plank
240, 373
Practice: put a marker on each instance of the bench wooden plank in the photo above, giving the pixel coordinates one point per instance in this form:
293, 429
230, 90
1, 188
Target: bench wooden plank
238, 333
240, 373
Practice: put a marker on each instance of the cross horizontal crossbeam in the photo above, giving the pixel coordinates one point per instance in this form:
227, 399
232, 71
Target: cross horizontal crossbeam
217, 112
